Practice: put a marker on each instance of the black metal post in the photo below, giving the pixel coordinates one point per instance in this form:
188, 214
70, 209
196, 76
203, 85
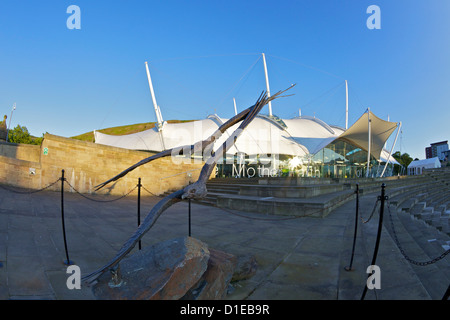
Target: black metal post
67, 262
139, 207
189, 213
349, 268
380, 227
446, 294
189, 217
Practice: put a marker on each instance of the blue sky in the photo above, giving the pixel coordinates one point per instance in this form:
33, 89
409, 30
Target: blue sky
201, 54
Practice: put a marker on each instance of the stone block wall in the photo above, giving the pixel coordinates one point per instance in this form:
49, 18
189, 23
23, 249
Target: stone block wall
20, 173
20, 151
87, 164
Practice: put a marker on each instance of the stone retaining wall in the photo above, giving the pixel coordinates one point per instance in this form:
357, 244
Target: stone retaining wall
87, 164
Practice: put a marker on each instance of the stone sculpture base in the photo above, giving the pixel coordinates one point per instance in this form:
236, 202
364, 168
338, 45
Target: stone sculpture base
182, 268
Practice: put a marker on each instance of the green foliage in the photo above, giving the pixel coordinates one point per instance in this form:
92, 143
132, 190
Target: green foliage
20, 134
404, 159
123, 130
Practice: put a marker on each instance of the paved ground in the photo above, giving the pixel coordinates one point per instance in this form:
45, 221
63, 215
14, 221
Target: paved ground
300, 258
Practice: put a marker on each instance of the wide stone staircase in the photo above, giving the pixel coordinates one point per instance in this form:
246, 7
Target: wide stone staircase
428, 202
416, 226
418, 223
297, 196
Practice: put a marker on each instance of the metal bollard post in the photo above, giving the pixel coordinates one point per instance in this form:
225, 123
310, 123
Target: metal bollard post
446, 294
189, 217
67, 262
189, 213
349, 268
380, 227
139, 207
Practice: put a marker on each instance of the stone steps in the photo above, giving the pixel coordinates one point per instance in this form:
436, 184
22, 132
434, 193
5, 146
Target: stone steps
406, 197
399, 281
421, 225
298, 196
318, 206
419, 207
421, 243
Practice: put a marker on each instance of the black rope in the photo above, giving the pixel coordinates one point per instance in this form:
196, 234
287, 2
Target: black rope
402, 251
149, 191
30, 192
373, 211
97, 200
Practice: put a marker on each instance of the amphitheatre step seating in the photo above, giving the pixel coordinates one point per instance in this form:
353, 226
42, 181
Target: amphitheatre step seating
428, 201
277, 195
306, 196
415, 238
300, 258
420, 222
421, 243
318, 206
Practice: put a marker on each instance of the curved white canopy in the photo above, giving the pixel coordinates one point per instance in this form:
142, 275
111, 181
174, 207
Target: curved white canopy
380, 131
264, 135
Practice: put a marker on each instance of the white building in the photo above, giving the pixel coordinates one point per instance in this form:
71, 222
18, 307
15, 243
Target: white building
302, 146
417, 166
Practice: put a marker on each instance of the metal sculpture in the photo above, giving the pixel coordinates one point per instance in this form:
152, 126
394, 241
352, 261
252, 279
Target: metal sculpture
196, 190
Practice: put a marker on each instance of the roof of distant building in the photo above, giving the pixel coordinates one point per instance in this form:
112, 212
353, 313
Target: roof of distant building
442, 142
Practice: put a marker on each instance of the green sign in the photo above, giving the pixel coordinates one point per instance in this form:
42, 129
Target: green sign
45, 151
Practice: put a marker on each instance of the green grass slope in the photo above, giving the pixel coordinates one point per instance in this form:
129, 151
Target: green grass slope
122, 130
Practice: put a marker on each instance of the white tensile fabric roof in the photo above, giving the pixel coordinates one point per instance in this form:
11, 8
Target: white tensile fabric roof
380, 131
264, 135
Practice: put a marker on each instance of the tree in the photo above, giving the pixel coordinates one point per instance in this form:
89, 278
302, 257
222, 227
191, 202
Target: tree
404, 159
20, 134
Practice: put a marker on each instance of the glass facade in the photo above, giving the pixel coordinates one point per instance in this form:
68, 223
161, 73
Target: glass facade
339, 159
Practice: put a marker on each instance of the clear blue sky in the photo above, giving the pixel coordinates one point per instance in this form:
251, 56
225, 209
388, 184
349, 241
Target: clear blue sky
203, 53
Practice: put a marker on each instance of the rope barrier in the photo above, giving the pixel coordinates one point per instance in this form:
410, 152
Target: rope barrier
380, 199
30, 192
149, 191
402, 251
98, 200
373, 211
64, 180
383, 198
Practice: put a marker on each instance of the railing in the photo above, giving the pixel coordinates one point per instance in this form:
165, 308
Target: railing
382, 200
63, 180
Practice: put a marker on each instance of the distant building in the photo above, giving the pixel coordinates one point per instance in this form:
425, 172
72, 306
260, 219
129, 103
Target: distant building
447, 155
437, 149
428, 153
417, 166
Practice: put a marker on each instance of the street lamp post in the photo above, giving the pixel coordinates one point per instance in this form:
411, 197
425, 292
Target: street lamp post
9, 124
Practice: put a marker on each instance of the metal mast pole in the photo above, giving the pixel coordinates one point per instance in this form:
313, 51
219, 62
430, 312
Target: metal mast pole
370, 142
392, 148
158, 114
155, 106
346, 105
267, 84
